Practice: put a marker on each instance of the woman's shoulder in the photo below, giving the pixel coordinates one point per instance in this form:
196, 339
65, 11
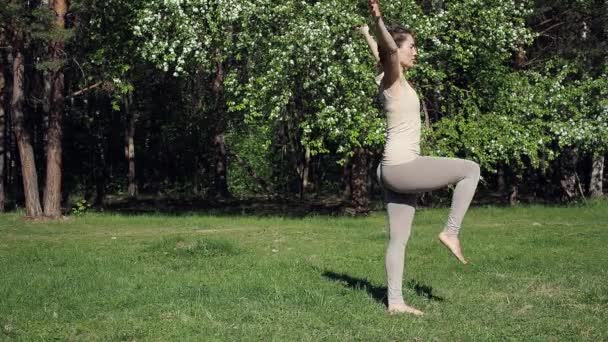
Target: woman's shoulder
395, 89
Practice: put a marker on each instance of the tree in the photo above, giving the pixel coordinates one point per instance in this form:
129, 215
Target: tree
3, 144
52, 189
105, 46
22, 135
574, 35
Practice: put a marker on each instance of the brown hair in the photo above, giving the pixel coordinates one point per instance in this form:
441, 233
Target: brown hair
399, 34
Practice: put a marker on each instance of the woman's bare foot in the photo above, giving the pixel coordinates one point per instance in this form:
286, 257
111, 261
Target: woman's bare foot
395, 309
453, 244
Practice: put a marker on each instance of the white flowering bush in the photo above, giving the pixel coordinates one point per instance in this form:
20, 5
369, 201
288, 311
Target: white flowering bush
302, 64
315, 71
303, 61
535, 116
289, 60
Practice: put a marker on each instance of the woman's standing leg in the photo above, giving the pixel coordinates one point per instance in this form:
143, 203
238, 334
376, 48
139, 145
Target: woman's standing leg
401, 209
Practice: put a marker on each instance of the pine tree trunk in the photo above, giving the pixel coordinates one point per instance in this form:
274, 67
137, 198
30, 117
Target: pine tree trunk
47, 85
11, 145
597, 176
24, 140
52, 188
44, 87
3, 143
360, 191
130, 144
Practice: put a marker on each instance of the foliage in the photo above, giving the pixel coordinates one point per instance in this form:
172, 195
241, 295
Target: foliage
304, 63
510, 83
80, 207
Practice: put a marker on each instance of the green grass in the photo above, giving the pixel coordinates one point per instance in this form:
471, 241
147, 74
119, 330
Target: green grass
536, 274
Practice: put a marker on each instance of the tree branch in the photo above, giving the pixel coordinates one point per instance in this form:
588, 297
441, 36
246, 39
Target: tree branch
79, 92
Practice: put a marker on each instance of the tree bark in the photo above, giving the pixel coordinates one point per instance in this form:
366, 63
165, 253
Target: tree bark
219, 141
24, 140
11, 152
513, 195
597, 176
52, 189
221, 162
130, 144
427, 118
101, 175
346, 179
568, 162
45, 79
360, 192
500, 179
3, 143
101, 168
306, 171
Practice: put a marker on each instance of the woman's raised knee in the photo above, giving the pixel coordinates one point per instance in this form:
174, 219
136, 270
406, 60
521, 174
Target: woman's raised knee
473, 169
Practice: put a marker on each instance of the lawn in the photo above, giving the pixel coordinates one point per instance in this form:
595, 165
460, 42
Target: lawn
535, 274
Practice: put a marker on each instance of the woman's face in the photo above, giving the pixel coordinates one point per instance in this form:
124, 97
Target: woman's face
408, 53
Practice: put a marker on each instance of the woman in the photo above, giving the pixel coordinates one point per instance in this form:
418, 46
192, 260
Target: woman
403, 172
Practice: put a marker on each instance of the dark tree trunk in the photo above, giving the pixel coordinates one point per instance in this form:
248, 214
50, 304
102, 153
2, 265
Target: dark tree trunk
3, 139
568, 161
301, 161
100, 175
221, 162
346, 176
219, 141
513, 183
11, 153
513, 200
306, 184
131, 119
359, 185
45, 82
427, 118
281, 149
24, 140
597, 176
101, 170
500, 179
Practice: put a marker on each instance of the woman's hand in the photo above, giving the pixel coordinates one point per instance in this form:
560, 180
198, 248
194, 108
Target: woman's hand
374, 8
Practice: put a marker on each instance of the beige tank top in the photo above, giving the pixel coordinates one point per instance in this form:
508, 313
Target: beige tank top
402, 123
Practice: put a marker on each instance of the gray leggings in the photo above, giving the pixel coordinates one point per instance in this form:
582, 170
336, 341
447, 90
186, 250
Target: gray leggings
401, 183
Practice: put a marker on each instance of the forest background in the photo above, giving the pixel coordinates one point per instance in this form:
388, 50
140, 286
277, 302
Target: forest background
199, 103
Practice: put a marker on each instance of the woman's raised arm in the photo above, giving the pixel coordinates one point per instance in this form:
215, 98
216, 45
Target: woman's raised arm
389, 58
373, 46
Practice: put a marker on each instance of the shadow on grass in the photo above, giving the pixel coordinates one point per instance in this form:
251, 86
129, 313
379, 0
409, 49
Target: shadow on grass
378, 293
423, 290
